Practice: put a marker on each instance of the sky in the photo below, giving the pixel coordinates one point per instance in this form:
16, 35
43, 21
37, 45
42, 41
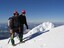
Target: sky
36, 10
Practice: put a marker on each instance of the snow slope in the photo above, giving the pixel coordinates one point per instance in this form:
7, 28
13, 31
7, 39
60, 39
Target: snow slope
54, 38
45, 26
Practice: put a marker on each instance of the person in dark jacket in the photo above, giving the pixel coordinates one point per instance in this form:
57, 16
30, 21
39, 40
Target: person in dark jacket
23, 21
14, 26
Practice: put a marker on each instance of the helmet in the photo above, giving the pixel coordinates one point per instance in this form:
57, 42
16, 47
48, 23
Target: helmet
15, 13
23, 12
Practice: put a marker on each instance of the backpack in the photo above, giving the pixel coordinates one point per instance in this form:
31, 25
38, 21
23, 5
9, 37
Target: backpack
9, 21
13, 23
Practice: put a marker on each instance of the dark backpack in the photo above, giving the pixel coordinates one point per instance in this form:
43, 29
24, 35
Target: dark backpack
13, 23
9, 21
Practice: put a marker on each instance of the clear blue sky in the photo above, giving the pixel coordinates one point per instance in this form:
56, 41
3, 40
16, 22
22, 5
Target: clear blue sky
36, 10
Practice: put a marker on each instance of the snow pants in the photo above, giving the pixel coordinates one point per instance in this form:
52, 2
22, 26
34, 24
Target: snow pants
20, 34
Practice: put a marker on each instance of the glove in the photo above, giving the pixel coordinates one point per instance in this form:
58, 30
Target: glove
26, 31
11, 31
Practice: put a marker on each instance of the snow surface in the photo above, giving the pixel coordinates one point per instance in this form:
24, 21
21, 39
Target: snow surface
39, 37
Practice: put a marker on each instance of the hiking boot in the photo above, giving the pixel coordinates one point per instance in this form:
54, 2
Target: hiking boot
14, 44
22, 42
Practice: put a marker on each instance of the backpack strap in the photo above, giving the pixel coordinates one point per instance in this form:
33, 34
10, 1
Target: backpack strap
10, 22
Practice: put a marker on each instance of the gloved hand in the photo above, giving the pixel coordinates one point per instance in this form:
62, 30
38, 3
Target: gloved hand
26, 31
11, 31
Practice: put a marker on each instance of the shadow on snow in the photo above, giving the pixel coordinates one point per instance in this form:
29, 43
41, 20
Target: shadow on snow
34, 35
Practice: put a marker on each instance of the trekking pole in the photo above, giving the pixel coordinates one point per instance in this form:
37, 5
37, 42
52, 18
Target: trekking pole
10, 38
9, 41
